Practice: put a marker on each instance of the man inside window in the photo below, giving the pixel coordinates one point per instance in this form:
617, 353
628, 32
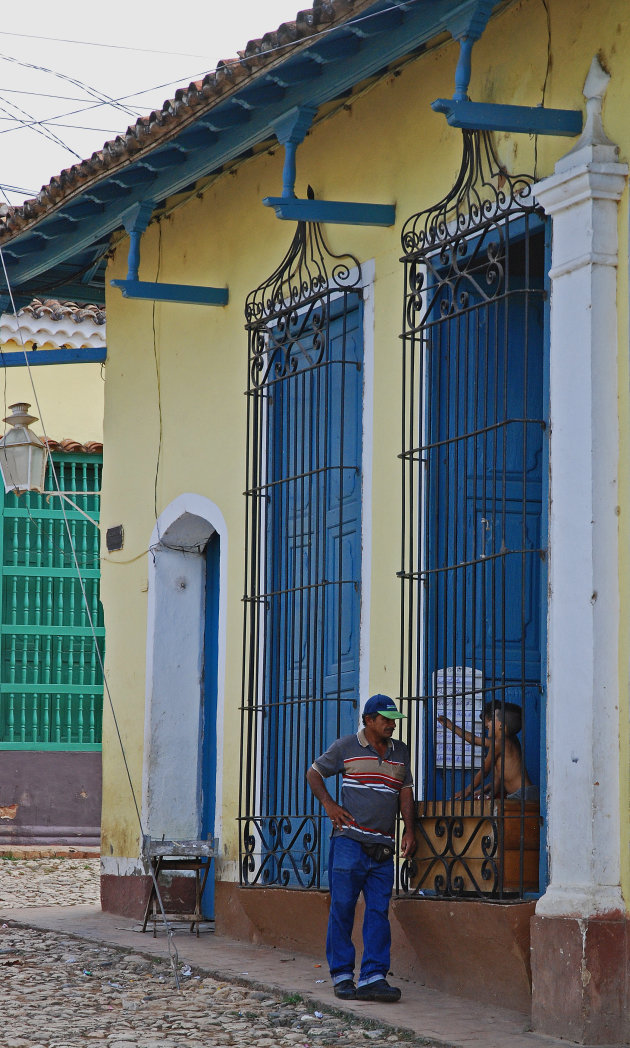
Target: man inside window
377, 783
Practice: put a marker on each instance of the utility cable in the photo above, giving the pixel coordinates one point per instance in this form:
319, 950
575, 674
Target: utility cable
36, 125
172, 949
208, 72
98, 43
103, 99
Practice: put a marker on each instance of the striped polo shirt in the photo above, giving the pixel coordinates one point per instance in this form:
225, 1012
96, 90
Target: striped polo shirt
370, 787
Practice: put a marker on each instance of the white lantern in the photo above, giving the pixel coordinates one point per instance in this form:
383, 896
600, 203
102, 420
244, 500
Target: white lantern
22, 454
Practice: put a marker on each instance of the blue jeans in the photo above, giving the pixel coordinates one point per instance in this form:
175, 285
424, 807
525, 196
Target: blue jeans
350, 872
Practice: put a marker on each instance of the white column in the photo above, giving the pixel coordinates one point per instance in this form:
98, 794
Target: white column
583, 618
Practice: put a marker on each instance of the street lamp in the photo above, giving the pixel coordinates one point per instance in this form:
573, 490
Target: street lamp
22, 454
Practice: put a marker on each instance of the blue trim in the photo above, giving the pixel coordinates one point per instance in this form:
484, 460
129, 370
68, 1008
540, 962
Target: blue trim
135, 221
290, 131
334, 211
210, 705
191, 293
469, 20
527, 120
53, 356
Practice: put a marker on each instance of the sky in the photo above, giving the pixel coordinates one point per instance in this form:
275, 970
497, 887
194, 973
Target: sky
74, 75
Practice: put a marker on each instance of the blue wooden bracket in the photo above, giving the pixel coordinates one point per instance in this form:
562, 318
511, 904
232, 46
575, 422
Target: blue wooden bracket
291, 131
193, 294
135, 222
527, 120
490, 116
337, 212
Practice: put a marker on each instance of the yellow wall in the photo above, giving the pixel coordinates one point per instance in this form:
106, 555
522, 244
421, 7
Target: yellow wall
70, 398
385, 146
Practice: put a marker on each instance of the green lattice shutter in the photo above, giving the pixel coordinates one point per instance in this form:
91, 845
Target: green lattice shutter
51, 685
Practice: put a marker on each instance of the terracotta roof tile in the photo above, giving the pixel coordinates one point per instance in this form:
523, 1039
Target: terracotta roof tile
56, 310
53, 323
70, 446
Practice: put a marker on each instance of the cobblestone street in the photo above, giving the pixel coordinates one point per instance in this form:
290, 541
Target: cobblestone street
59, 991
48, 882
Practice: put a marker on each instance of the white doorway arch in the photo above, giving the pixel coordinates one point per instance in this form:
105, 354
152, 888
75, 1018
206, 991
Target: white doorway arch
173, 773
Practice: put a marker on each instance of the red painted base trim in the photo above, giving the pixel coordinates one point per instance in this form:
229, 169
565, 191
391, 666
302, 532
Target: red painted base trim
581, 978
472, 949
128, 895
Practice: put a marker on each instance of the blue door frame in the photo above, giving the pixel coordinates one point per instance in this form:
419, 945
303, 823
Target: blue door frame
209, 742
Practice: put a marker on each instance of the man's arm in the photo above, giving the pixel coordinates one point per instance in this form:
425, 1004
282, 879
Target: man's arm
408, 843
337, 815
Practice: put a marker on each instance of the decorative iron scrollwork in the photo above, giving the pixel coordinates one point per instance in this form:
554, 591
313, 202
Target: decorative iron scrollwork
457, 856
280, 851
287, 315
455, 250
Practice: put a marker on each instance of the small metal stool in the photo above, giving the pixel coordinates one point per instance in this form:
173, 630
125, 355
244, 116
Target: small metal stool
166, 856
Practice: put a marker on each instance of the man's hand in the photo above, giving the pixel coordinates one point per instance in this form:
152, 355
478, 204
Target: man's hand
408, 811
408, 844
338, 815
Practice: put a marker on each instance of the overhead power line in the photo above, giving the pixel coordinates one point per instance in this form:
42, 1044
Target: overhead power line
99, 43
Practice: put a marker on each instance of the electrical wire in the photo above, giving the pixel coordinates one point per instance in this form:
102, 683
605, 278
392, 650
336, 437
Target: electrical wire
38, 126
15, 189
98, 43
172, 949
208, 72
100, 95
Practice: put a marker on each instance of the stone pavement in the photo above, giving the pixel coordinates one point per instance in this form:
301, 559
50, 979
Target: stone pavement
72, 975
42, 881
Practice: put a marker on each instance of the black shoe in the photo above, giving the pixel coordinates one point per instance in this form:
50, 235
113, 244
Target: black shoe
378, 991
345, 990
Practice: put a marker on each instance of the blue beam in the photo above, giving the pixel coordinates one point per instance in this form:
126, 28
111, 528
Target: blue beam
299, 71
488, 116
193, 294
334, 48
35, 357
136, 220
337, 212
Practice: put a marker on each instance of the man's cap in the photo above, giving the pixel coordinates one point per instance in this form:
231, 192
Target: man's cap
384, 705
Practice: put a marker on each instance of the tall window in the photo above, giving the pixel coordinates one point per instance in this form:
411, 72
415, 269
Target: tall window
474, 460
51, 686
303, 571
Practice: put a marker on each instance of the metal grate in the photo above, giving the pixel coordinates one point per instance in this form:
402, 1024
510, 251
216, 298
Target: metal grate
473, 547
51, 688
302, 582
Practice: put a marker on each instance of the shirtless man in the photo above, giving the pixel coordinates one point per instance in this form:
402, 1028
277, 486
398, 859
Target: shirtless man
503, 755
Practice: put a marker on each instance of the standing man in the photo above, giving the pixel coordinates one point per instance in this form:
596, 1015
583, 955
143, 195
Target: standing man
377, 781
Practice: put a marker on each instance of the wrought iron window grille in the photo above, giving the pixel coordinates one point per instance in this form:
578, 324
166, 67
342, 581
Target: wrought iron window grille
302, 480
473, 424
